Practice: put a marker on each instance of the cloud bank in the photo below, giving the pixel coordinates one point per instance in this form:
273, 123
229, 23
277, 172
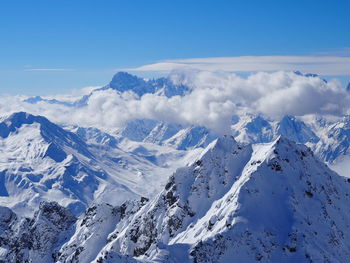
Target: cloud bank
323, 65
215, 98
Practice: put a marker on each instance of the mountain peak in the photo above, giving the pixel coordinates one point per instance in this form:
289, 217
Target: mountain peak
19, 116
224, 143
309, 75
16, 120
123, 81
216, 202
123, 77
283, 149
296, 130
51, 132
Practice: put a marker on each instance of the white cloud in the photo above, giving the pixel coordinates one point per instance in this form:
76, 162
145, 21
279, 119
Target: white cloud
323, 65
216, 96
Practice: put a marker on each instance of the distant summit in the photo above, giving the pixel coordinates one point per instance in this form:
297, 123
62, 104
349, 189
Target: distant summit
309, 75
123, 81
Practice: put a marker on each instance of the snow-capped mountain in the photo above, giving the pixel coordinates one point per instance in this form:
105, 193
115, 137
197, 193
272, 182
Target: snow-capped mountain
138, 130
328, 139
256, 129
123, 81
162, 132
42, 161
271, 202
191, 137
335, 140
177, 136
75, 103
253, 129
268, 202
36, 99
296, 130
95, 136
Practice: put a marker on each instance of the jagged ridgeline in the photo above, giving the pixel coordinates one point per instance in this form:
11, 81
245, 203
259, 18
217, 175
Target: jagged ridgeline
270, 202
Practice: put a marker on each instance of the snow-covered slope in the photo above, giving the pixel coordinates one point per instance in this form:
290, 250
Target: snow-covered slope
272, 202
176, 136
41, 161
162, 132
191, 137
137, 130
253, 129
335, 140
296, 130
95, 136
329, 139
256, 129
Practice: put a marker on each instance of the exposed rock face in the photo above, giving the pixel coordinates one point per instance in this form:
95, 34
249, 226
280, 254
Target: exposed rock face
95, 229
34, 240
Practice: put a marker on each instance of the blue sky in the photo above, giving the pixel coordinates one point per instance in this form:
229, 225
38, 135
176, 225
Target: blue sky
53, 46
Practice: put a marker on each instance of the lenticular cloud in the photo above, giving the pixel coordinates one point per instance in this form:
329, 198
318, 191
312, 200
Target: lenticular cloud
214, 99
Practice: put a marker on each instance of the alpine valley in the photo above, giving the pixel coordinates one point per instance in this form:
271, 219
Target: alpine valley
160, 190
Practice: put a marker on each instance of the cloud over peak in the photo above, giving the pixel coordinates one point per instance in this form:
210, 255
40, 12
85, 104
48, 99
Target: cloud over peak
215, 98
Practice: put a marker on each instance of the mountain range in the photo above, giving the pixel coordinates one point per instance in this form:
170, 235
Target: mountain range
42, 161
158, 191
328, 137
270, 202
